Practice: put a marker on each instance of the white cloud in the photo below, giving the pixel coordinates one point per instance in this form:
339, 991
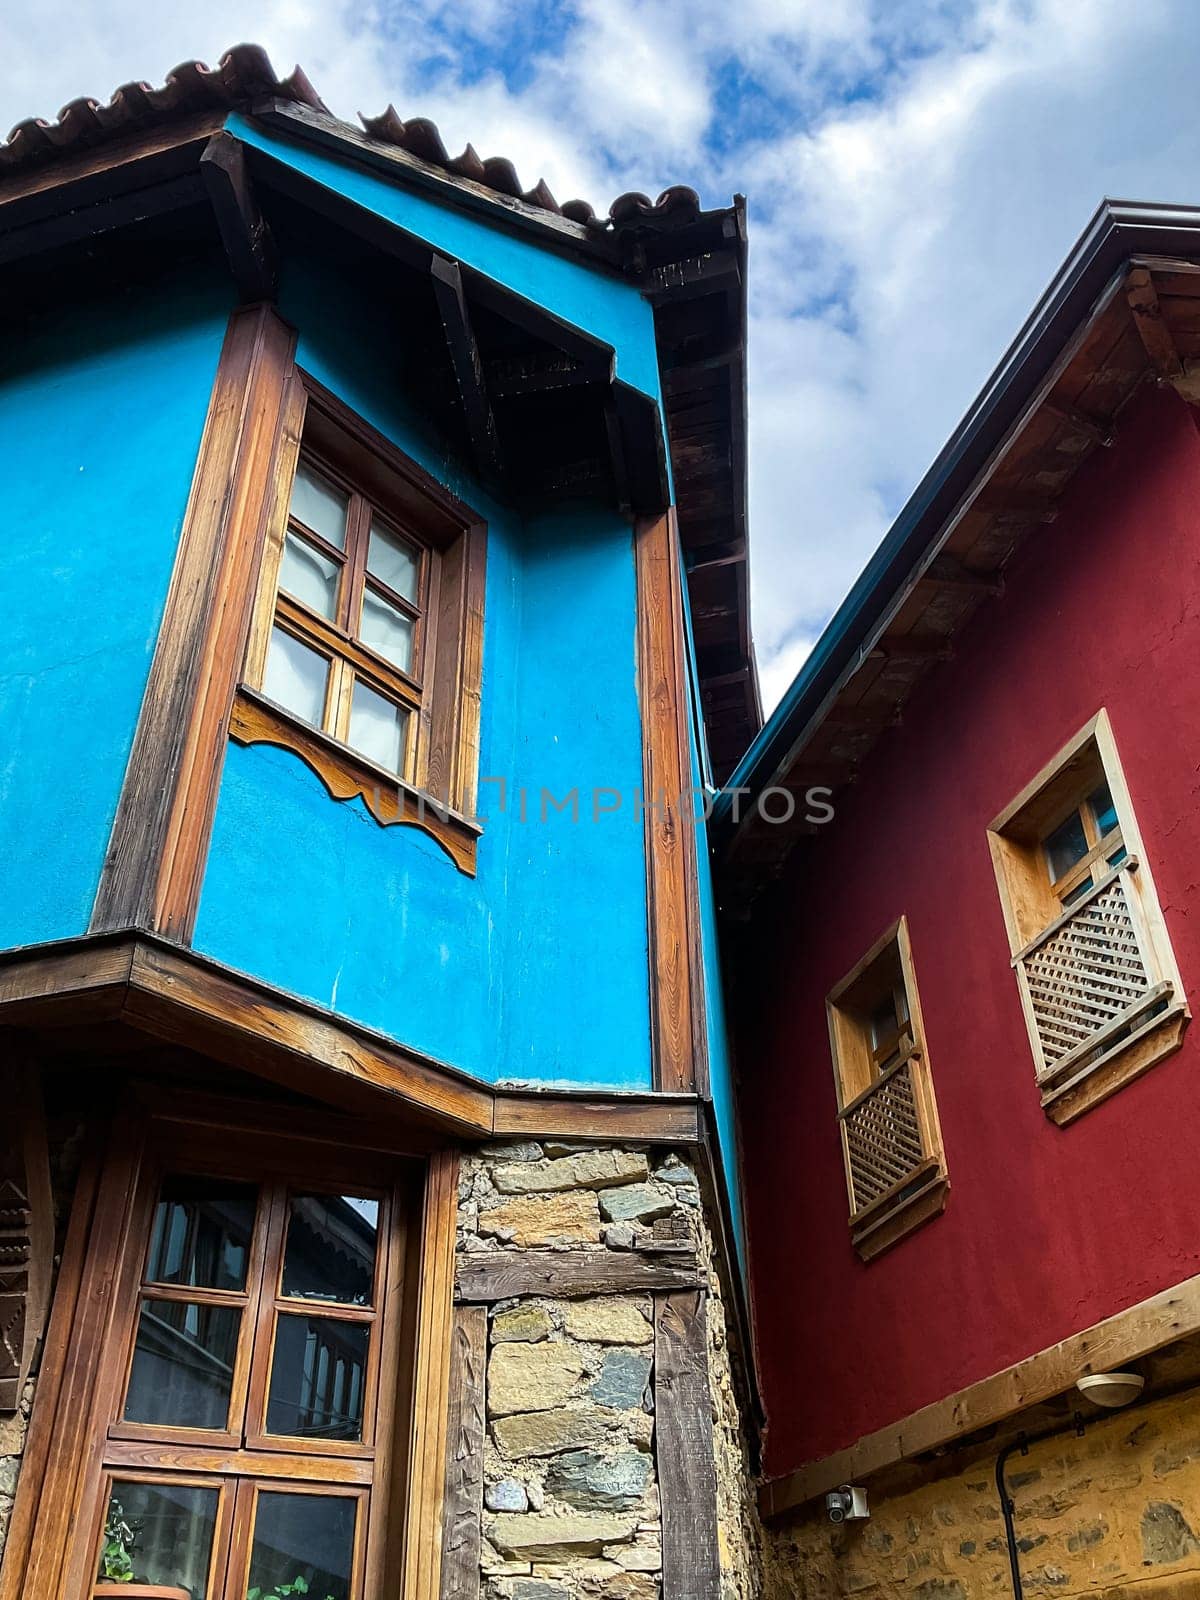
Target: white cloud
916, 170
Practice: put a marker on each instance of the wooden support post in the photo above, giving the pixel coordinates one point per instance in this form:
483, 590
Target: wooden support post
431, 1387
244, 233
687, 1477
672, 892
151, 874
468, 368
463, 1513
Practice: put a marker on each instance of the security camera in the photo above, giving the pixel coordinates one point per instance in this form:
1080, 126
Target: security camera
847, 1504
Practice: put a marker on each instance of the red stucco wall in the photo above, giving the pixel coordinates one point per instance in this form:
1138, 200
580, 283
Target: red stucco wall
1047, 1230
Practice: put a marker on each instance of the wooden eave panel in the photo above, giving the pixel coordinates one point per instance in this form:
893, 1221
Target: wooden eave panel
168, 993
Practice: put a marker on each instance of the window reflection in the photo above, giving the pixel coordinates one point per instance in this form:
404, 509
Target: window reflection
307, 1537
182, 1373
201, 1234
318, 1378
159, 1533
330, 1253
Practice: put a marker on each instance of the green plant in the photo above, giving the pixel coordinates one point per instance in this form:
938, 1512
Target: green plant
281, 1591
120, 1536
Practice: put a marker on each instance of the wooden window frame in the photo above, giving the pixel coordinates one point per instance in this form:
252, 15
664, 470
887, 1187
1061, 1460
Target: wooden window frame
72, 1452
921, 1193
437, 792
1033, 909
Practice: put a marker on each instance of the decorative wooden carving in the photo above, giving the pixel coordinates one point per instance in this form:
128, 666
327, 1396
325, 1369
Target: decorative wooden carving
26, 1233
348, 775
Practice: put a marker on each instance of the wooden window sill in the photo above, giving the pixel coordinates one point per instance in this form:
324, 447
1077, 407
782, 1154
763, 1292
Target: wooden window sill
1156, 1039
893, 1217
346, 774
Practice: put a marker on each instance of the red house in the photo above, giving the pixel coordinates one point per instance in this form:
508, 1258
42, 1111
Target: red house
970, 1102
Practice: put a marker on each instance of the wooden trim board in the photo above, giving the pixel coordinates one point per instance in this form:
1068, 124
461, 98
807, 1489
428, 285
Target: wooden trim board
152, 870
1128, 1335
671, 891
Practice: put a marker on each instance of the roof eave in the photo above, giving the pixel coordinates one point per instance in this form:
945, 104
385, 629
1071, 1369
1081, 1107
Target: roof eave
1118, 230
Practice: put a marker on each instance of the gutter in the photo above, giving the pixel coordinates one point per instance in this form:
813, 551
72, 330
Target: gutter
1089, 276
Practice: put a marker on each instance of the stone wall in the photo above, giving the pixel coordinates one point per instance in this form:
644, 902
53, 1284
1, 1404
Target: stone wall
571, 1486
1115, 1512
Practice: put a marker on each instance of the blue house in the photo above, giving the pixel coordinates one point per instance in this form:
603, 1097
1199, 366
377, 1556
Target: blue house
376, 630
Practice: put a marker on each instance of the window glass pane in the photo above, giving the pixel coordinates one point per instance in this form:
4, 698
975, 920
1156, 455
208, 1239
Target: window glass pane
1080, 889
309, 1537
312, 578
1103, 810
318, 1375
296, 676
1118, 855
377, 727
386, 629
182, 1372
319, 504
393, 561
330, 1252
1065, 846
201, 1234
159, 1533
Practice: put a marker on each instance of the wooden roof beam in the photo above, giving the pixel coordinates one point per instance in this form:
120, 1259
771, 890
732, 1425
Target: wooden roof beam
722, 553
468, 368
542, 372
924, 648
1151, 325
249, 247
1099, 429
951, 577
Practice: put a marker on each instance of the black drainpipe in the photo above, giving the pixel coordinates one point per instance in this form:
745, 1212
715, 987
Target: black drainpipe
1022, 1443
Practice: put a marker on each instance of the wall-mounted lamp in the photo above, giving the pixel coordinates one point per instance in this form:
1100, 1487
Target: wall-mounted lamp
1112, 1390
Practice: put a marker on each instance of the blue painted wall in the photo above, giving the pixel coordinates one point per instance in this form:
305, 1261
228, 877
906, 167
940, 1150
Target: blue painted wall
537, 968
102, 405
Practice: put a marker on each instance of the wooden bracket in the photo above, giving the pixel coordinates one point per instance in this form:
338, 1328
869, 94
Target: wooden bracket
1151, 325
244, 233
468, 368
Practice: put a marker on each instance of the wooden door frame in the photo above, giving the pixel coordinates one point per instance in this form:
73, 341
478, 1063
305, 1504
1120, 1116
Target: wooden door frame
62, 1460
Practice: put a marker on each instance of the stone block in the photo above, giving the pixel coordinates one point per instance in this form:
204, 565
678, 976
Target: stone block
539, 1589
521, 1150
531, 1377
636, 1202
621, 1382
609, 1321
526, 1324
593, 1482
506, 1495
630, 1586
571, 1218
1166, 1535
546, 1433
591, 1169
545, 1535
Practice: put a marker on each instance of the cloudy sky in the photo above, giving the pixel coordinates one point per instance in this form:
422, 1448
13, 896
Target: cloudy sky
915, 169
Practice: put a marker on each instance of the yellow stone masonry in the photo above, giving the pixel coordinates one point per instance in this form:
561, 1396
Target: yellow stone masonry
1114, 1513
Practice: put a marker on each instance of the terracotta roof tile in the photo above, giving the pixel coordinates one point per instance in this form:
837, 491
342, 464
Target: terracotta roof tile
244, 75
